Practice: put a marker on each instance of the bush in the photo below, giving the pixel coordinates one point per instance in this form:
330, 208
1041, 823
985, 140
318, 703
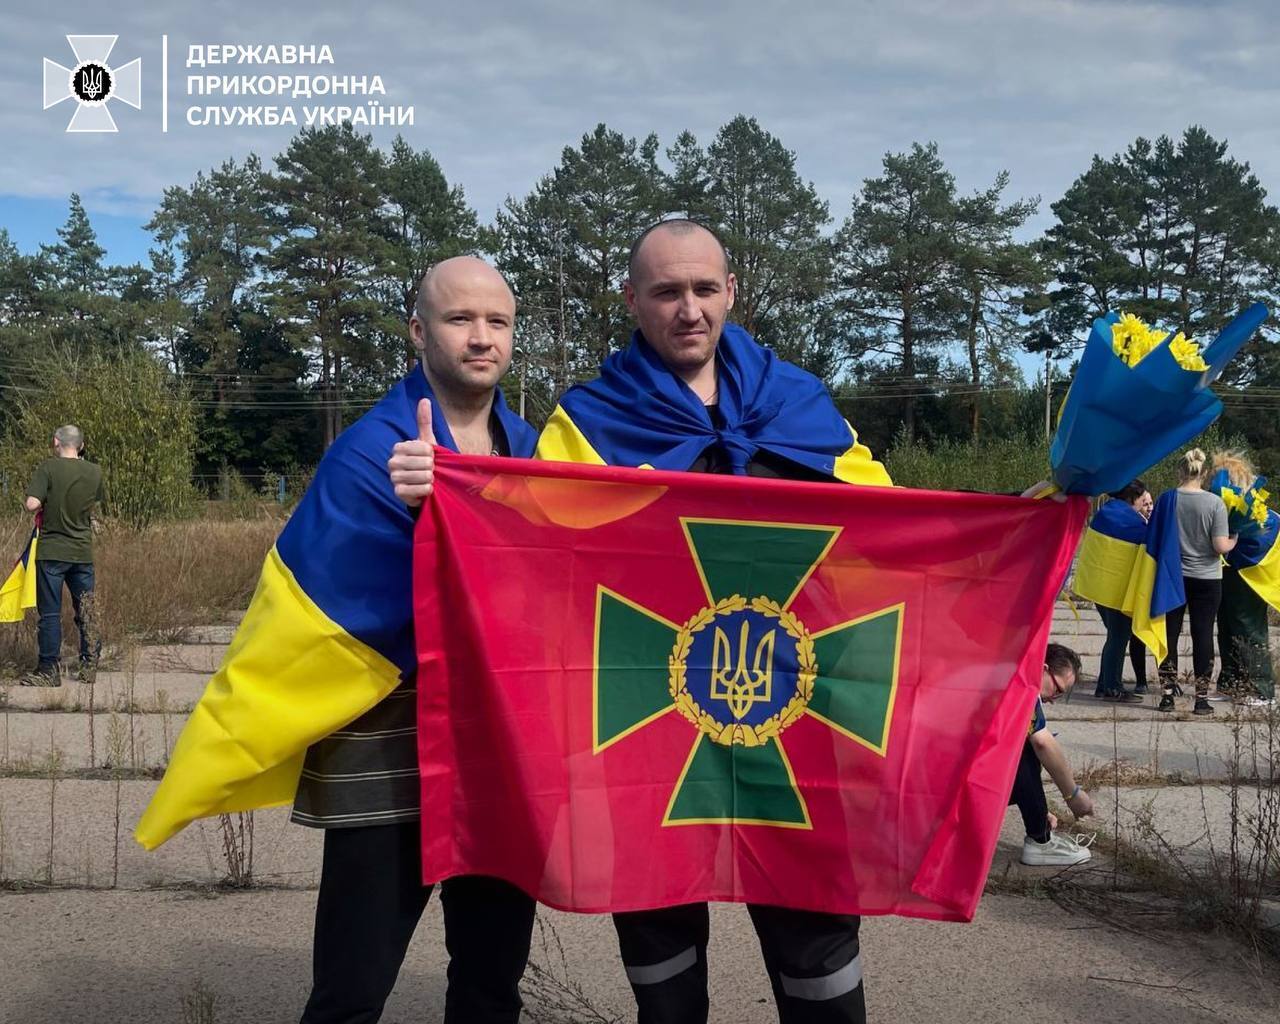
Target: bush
998, 466
138, 426
1012, 465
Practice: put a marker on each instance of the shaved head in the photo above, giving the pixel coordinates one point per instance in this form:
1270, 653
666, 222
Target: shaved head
462, 326
675, 226
458, 273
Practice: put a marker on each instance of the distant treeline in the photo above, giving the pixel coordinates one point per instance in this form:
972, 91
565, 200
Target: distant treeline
275, 299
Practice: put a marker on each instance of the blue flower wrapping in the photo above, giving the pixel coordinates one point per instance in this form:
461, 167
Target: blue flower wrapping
1118, 421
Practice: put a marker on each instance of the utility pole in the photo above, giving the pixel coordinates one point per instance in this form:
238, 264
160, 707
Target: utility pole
1048, 393
524, 370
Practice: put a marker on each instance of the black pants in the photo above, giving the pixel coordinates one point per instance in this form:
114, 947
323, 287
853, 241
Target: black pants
371, 896
1119, 639
1243, 641
1138, 659
1203, 598
812, 959
1028, 794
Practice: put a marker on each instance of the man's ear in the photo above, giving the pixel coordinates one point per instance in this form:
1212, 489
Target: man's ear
417, 332
731, 287
629, 295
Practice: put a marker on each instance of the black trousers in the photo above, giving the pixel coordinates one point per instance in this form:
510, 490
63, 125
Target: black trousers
1203, 598
1243, 641
1138, 659
1028, 794
812, 959
371, 897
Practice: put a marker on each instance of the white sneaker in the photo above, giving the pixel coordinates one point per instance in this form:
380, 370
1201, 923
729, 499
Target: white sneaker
1060, 851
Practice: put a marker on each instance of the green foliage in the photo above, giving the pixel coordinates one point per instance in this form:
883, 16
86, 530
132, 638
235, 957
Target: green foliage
1176, 232
920, 267
564, 248
138, 427
772, 223
333, 239
1012, 464
279, 301
1003, 465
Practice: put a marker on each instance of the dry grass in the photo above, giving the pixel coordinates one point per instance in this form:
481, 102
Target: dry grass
152, 584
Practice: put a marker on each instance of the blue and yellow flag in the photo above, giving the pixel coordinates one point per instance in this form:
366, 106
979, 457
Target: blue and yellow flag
328, 634
19, 591
1257, 558
1108, 553
638, 413
1256, 555
1155, 588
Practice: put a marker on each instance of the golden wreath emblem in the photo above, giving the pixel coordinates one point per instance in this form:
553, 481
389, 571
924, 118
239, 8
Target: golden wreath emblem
736, 732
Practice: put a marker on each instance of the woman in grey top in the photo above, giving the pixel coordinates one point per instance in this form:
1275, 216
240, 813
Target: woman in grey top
1202, 532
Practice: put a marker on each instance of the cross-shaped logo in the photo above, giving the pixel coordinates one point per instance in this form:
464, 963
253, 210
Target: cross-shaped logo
92, 83
742, 670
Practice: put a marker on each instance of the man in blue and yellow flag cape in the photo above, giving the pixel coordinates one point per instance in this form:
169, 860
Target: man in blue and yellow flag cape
315, 701
1156, 587
1105, 565
18, 593
769, 418
692, 392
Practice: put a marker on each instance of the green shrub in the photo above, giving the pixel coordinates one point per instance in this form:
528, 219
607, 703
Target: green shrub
138, 425
1013, 464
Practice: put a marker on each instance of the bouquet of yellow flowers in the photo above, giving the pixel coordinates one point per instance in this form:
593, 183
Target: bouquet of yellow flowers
1246, 510
1139, 394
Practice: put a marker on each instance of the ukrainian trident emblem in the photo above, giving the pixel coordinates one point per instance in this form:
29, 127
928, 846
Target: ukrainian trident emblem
742, 670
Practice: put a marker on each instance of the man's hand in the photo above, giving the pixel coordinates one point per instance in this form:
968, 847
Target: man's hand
413, 463
1081, 804
1046, 489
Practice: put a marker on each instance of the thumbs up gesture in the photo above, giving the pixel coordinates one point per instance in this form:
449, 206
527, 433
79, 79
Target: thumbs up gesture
413, 463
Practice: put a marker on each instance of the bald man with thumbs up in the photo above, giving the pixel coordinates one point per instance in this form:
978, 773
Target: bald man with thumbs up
361, 783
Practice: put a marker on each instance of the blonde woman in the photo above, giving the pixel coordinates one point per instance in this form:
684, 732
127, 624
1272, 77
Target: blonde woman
1243, 643
1204, 538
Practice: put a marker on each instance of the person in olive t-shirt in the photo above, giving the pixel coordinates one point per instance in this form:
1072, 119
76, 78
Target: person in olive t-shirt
67, 490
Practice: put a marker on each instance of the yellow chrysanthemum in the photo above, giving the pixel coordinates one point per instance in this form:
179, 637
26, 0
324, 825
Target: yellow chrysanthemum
1232, 500
1132, 340
1129, 339
1260, 513
1187, 353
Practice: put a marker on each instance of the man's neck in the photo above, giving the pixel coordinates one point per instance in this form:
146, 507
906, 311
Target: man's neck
64, 453
702, 381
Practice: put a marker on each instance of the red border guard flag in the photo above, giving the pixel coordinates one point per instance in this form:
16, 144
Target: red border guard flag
640, 689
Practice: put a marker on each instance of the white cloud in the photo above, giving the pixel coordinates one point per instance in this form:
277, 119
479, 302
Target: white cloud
499, 89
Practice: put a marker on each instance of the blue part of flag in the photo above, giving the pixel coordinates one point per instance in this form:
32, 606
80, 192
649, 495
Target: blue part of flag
349, 544
639, 413
1165, 549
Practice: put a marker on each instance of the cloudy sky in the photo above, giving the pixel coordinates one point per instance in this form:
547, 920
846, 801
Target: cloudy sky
500, 88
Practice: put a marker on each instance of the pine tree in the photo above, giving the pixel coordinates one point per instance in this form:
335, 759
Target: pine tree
430, 221
772, 222
333, 241
897, 254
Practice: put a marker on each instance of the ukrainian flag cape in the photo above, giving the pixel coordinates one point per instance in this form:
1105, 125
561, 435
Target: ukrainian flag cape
1256, 555
1155, 588
19, 591
1108, 553
328, 634
638, 413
